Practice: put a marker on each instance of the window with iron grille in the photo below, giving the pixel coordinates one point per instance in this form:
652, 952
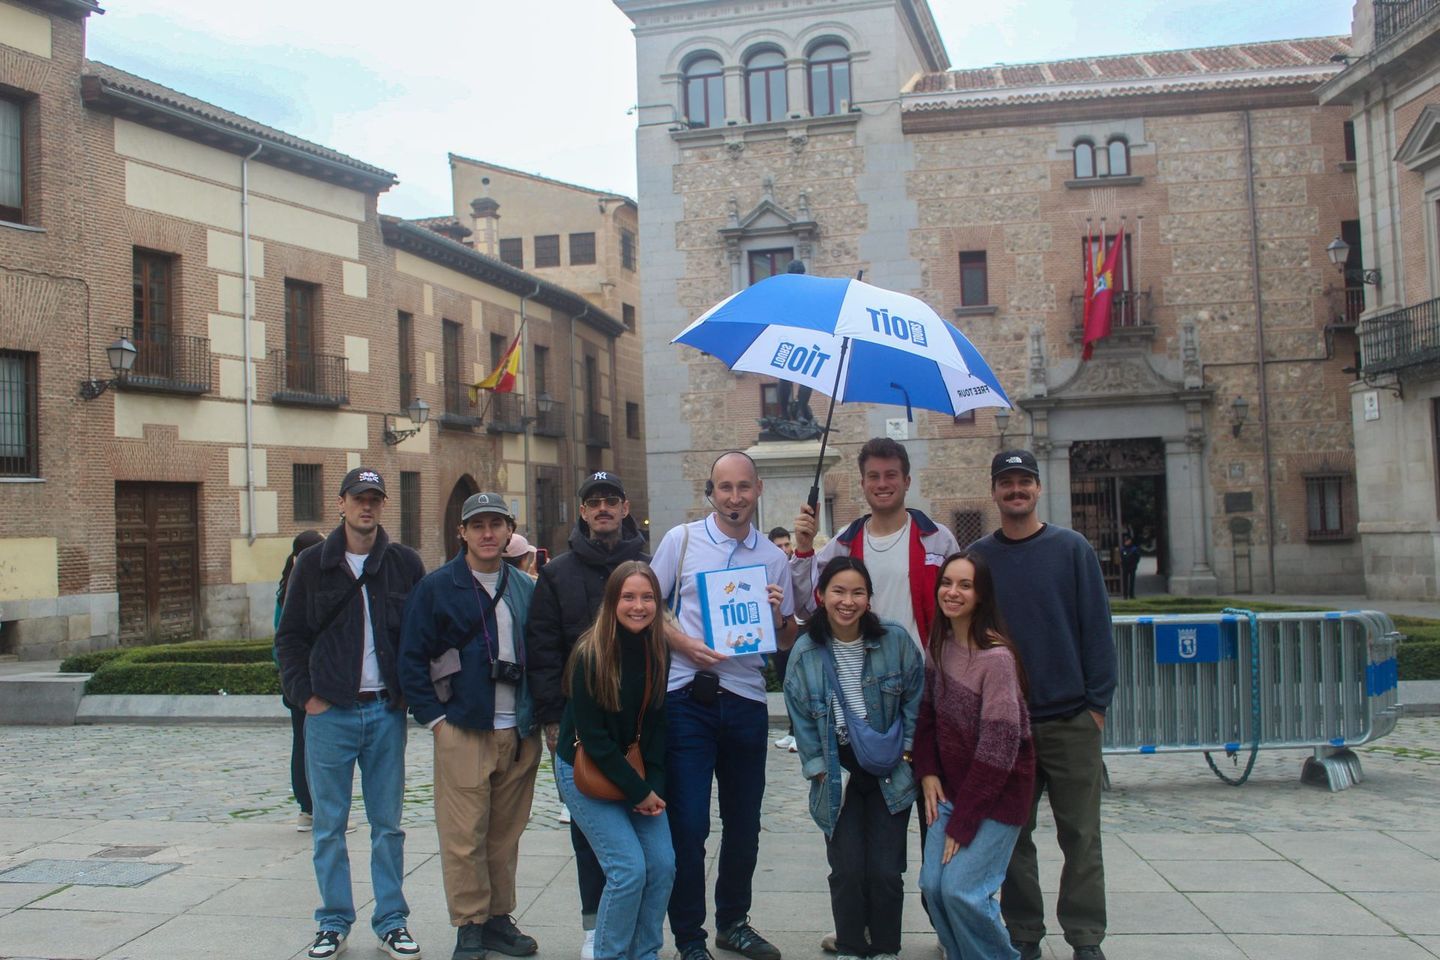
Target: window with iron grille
455, 400
308, 495
12, 160
974, 279
632, 421
19, 414
968, 525
541, 374
405, 327
582, 249
1349, 141
497, 350
627, 249
410, 509
512, 251
1325, 507
547, 250
627, 314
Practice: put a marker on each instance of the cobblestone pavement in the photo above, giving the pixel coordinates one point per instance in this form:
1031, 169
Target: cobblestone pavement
224, 773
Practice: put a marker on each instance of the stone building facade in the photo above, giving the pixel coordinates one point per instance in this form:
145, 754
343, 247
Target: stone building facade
1212, 422
1391, 87
159, 504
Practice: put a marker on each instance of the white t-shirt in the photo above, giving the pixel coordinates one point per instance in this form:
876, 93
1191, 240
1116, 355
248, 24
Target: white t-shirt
888, 560
370, 668
503, 647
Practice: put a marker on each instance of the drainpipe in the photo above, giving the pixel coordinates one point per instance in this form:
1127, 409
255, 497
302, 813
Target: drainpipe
246, 309
529, 386
1264, 398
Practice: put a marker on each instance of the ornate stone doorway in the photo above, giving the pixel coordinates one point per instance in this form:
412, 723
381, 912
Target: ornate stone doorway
1118, 486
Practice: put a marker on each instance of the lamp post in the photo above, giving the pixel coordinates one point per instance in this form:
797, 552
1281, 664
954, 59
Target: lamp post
1239, 412
1002, 423
121, 356
418, 412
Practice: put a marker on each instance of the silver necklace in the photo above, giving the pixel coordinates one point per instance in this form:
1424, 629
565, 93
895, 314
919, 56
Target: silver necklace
870, 542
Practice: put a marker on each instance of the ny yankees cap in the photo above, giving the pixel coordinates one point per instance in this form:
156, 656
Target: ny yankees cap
361, 479
601, 479
1007, 460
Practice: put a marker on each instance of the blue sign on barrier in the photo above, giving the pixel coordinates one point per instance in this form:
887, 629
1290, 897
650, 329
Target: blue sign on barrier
1195, 642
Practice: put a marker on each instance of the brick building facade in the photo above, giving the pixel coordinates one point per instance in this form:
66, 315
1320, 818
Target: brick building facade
161, 505
1212, 422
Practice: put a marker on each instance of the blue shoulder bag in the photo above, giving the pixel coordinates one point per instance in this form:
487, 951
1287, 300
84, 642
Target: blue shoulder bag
876, 752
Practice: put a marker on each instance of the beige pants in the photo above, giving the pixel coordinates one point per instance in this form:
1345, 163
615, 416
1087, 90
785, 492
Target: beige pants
484, 783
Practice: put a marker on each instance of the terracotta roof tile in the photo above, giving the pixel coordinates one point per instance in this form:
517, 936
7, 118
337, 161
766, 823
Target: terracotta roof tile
1119, 68
1170, 63
1023, 75
1222, 58
1273, 54
1071, 71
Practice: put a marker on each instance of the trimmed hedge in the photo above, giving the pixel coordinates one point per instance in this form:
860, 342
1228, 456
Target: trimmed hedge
90, 662
1419, 660
185, 678
248, 652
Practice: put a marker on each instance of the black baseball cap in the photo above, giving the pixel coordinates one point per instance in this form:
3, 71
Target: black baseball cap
362, 479
478, 503
1007, 460
599, 480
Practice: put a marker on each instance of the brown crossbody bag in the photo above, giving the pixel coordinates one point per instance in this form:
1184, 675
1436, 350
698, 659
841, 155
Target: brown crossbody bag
588, 778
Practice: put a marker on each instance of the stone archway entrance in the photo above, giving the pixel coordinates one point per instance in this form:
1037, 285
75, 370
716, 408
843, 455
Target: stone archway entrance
463, 488
1118, 486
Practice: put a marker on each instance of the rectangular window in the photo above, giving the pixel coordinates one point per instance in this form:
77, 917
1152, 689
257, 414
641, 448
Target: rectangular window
405, 328
410, 509
770, 400
497, 350
1349, 141
627, 249
19, 414
974, 279
541, 373
455, 400
1324, 507
547, 250
153, 276
632, 420
512, 251
307, 492
627, 314
1434, 445
300, 335
12, 161
767, 263
968, 525
582, 249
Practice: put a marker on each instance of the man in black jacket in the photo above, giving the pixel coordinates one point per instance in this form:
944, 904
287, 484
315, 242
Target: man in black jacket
338, 642
567, 595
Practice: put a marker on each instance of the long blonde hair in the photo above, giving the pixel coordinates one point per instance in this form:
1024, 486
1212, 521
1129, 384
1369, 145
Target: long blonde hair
598, 649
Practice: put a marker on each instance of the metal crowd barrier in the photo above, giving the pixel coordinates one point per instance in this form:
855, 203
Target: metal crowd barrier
1239, 681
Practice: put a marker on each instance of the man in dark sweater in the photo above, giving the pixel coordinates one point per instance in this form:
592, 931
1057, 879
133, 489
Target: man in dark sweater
567, 594
1051, 591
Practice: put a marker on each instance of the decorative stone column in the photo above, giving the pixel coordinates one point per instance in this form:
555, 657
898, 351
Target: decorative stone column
797, 102
788, 470
734, 94
1190, 572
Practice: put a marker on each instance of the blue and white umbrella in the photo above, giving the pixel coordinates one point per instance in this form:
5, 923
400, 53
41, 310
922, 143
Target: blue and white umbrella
854, 342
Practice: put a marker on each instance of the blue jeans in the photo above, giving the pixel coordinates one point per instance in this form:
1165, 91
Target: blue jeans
725, 741
335, 740
961, 893
639, 864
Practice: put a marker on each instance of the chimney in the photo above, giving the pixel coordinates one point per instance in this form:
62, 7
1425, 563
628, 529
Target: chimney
486, 214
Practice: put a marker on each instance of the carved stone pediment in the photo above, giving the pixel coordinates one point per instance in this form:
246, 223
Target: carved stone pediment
1420, 149
769, 219
1127, 376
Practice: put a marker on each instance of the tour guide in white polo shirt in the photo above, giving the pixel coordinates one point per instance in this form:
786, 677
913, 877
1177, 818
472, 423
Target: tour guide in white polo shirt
718, 730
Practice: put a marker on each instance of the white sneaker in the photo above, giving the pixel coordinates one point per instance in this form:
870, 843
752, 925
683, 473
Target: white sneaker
793, 747
587, 949
786, 742
328, 943
565, 818
304, 823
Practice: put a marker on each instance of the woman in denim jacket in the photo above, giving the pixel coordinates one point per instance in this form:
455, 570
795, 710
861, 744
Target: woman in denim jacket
881, 677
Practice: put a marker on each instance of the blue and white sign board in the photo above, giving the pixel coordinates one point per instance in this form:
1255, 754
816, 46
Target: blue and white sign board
1195, 642
735, 608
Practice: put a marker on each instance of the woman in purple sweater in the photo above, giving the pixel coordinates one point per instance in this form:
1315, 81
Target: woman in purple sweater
974, 760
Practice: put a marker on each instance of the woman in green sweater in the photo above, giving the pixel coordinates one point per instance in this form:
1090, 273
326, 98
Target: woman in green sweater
615, 689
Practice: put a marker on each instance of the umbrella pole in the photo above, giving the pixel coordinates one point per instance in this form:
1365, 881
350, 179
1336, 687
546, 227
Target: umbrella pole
825, 437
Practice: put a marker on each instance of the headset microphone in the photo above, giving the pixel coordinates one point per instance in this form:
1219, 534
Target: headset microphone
734, 515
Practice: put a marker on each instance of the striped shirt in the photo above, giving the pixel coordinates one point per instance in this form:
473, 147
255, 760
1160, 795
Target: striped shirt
849, 667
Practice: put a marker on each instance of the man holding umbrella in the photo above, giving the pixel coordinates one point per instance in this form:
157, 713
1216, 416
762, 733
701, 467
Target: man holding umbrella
718, 718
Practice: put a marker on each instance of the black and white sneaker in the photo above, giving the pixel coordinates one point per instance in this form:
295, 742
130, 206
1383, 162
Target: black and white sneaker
400, 945
328, 943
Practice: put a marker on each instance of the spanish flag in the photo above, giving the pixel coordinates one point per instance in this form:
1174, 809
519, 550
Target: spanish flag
502, 378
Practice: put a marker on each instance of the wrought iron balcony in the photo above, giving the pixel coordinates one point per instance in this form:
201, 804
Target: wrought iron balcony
1394, 17
309, 379
1401, 339
1128, 308
597, 430
507, 413
551, 423
167, 363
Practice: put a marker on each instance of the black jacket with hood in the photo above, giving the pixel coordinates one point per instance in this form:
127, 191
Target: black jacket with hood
567, 595
328, 664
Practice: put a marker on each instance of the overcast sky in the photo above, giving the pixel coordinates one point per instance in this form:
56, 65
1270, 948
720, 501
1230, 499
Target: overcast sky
544, 85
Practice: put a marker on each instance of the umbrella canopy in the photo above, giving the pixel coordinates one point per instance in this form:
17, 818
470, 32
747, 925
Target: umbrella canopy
901, 352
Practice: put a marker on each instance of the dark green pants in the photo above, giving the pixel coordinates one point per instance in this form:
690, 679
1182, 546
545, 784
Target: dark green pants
1068, 767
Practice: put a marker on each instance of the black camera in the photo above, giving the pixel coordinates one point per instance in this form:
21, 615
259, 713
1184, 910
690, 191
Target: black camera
503, 671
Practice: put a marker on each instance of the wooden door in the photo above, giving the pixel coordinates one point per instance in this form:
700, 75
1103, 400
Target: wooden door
157, 557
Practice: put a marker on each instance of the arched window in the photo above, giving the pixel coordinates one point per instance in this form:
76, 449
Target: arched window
829, 78
1119, 151
1084, 159
705, 91
765, 86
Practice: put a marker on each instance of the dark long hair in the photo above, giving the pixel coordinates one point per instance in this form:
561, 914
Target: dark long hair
987, 623
304, 539
819, 625
599, 647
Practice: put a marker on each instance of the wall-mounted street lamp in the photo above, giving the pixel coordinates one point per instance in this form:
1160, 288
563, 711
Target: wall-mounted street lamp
121, 355
1339, 251
1002, 423
1239, 413
418, 411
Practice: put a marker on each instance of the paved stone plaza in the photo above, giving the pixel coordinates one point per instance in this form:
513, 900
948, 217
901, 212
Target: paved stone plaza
1196, 869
